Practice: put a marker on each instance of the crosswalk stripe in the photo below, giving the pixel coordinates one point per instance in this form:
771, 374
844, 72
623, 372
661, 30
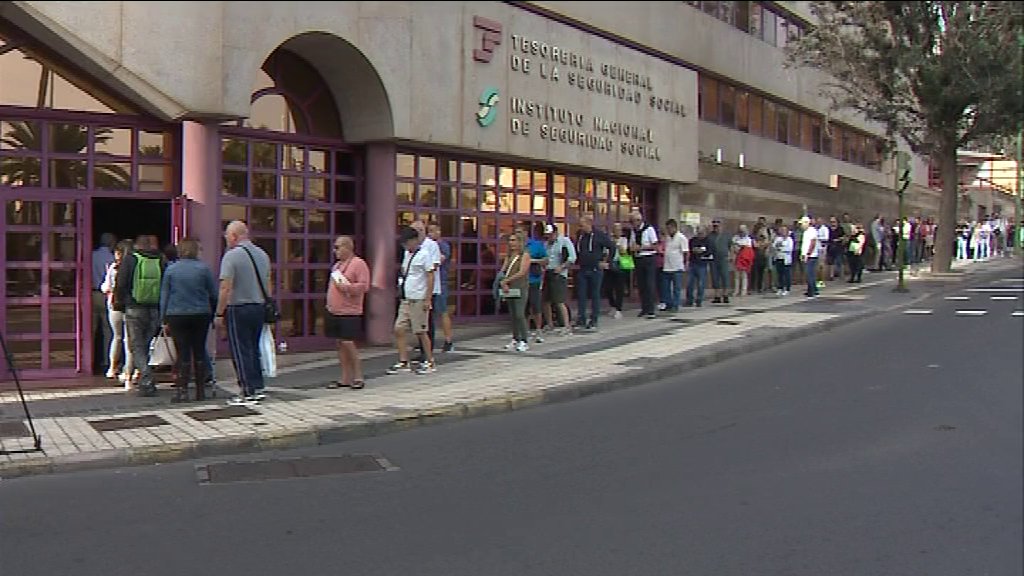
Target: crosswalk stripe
1002, 297
1021, 289
971, 312
917, 312
958, 297
1017, 313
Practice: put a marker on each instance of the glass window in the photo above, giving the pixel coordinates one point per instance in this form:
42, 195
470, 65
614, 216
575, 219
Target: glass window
743, 15
468, 173
710, 8
782, 133
756, 115
69, 138
743, 111
405, 165
810, 133
68, 174
755, 20
26, 80
112, 175
782, 33
709, 99
113, 141
18, 171
794, 128
271, 112
264, 186
727, 101
233, 152
826, 139
770, 122
21, 135
770, 22
837, 142
406, 193
727, 11
428, 168
159, 145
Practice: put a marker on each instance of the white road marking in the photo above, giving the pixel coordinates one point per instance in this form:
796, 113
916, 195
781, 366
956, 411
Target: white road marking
1011, 280
917, 312
1021, 289
958, 297
1017, 313
1002, 297
971, 312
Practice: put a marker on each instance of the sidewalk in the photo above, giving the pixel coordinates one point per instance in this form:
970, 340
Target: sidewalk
100, 428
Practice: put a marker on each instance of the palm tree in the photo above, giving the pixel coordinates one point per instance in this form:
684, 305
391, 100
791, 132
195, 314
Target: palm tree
64, 138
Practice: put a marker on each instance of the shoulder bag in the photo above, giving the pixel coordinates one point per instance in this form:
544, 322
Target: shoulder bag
271, 312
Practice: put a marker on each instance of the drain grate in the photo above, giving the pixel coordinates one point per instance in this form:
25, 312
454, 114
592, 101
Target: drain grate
281, 469
111, 424
14, 430
221, 413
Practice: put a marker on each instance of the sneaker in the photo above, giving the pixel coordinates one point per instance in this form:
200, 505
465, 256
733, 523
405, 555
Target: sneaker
716, 300
652, 316
522, 347
785, 292
259, 396
399, 368
511, 346
725, 300
662, 306
448, 347
426, 368
617, 315
240, 401
538, 339
111, 374
565, 332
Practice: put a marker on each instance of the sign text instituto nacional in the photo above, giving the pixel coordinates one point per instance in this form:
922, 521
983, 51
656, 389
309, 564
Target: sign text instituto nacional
580, 75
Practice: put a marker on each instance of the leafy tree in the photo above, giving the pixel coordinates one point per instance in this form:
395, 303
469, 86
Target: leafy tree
939, 76
64, 138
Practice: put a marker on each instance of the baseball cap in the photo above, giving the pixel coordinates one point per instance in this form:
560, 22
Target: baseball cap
550, 229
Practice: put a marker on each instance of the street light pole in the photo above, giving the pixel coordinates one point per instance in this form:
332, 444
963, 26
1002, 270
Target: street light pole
902, 180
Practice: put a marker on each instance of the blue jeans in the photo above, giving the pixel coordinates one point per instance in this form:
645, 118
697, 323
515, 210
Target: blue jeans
588, 284
143, 325
671, 288
698, 279
810, 268
245, 325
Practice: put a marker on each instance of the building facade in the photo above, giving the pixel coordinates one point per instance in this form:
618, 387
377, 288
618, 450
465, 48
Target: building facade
325, 118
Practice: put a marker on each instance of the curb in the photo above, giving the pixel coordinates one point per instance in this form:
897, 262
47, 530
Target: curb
355, 428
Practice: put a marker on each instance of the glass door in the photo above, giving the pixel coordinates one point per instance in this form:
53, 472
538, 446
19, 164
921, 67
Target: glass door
43, 261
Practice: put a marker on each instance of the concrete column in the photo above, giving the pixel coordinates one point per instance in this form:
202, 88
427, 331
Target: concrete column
381, 243
200, 183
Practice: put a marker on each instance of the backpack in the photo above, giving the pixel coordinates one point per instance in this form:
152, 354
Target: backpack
146, 280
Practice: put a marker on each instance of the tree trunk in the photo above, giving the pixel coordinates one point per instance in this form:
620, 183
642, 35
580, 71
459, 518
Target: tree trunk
945, 234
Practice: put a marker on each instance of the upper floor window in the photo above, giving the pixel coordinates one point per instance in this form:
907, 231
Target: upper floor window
30, 80
757, 19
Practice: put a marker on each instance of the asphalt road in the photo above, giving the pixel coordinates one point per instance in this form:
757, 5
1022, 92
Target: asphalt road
892, 446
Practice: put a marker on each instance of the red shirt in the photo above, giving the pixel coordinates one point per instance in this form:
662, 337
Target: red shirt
347, 299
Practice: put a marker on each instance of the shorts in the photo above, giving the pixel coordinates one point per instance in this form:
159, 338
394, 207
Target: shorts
719, 275
533, 303
555, 287
343, 327
440, 303
413, 316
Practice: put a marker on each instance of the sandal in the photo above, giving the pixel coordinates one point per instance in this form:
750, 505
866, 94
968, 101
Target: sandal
337, 384
358, 385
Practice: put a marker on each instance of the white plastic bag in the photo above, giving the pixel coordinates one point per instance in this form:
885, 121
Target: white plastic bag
162, 351
268, 355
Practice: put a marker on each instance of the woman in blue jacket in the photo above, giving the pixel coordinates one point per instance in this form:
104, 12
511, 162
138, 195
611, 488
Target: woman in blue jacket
188, 298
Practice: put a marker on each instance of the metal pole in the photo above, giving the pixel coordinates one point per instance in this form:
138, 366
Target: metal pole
901, 285
1018, 243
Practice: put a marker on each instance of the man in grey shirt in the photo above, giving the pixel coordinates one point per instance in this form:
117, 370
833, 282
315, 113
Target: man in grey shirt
244, 276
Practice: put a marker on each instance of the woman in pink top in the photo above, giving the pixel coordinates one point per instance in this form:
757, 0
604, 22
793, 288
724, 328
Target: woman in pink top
346, 289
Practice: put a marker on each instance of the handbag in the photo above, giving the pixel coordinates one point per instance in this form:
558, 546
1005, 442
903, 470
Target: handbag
510, 292
271, 312
162, 351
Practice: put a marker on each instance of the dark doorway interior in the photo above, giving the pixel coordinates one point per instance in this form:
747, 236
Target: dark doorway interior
126, 218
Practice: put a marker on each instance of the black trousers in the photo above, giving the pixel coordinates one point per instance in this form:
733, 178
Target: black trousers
189, 333
856, 266
615, 286
647, 283
760, 266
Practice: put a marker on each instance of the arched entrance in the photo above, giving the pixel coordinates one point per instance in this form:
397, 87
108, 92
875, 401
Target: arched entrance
72, 158
288, 173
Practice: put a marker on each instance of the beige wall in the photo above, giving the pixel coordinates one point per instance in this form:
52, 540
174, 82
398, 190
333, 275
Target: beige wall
398, 70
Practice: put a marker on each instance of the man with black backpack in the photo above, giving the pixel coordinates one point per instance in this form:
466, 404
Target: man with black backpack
137, 289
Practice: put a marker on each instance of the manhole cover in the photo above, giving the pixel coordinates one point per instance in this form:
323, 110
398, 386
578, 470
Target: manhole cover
14, 430
112, 424
221, 413
945, 428
280, 469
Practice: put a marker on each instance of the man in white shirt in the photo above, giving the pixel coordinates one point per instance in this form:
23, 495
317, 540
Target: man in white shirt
415, 279
645, 246
809, 251
676, 249
433, 249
